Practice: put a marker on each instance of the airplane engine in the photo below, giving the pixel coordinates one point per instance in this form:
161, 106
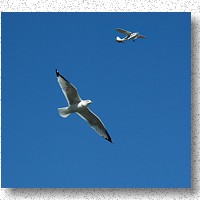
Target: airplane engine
118, 39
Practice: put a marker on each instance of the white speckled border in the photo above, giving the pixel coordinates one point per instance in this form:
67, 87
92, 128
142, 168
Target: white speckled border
192, 6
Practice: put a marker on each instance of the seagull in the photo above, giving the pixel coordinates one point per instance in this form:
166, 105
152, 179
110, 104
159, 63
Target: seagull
129, 35
79, 106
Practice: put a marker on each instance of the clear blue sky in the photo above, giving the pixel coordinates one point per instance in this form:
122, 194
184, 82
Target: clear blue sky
140, 90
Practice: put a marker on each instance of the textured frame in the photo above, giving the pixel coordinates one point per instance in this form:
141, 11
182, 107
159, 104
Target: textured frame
122, 6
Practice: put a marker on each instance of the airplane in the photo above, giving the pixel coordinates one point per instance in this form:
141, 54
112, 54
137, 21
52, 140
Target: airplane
129, 35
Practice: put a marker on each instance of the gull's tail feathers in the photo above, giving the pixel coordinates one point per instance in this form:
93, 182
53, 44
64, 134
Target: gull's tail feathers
64, 112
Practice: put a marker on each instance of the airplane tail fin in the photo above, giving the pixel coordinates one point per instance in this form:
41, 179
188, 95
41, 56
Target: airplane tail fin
64, 112
141, 36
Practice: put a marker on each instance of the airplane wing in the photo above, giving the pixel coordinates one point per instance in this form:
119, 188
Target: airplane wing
123, 31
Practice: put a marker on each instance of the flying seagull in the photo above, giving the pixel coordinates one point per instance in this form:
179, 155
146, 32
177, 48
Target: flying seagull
129, 35
79, 106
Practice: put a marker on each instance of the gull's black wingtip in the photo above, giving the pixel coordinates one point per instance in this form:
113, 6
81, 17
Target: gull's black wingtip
57, 73
109, 138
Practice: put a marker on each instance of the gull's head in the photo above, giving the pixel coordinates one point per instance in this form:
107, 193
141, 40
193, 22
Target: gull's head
86, 102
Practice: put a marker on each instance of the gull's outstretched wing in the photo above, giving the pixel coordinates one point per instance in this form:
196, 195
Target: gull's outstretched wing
95, 123
68, 89
124, 31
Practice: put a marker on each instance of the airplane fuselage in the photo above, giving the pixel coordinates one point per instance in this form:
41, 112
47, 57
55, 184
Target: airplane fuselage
132, 36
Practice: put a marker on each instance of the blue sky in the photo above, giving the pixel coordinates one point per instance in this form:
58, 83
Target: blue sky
140, 90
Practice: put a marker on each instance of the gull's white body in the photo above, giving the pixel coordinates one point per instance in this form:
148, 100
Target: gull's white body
129, 35
79, 106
